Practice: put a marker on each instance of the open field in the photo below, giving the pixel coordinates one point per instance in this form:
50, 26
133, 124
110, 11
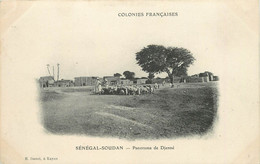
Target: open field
170, 112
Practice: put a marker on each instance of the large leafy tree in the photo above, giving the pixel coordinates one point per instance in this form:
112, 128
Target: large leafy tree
172, 60
129, 75
151, 76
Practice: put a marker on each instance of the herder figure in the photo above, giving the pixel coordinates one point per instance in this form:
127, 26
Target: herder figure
98, 87
106, 83
156, 86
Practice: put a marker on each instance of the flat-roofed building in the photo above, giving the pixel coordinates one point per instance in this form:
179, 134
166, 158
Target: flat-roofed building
125, 82
141, 81
46, 81
111, 80
64, 83
85, 81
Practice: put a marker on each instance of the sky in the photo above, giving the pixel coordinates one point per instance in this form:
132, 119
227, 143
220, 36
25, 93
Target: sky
90, 40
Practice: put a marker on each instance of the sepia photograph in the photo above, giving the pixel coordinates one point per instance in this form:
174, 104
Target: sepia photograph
129, 82
124, 106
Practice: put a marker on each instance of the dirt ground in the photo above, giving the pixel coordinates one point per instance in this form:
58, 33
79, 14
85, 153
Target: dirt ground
188, 110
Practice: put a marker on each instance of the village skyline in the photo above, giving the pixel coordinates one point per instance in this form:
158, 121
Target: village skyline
70, 72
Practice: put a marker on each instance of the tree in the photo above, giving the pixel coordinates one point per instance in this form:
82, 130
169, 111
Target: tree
172, 60
129, 75
151, 76
117, 75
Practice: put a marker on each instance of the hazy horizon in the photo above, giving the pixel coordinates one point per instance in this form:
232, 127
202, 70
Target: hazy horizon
161, 75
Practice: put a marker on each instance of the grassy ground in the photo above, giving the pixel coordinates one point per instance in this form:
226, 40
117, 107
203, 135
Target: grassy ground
187, 110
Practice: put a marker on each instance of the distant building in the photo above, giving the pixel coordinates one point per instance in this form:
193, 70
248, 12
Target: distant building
64, 83
195, 75
158, 80
215, 78
111, 80
196, 79
141, 81
46, 81
207, 76
85, 81
211, 78
204, 74
125, 82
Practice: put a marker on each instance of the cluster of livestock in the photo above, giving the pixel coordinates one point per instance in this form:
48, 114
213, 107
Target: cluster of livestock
128, 90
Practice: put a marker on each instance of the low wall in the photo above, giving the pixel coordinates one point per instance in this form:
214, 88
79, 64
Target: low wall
197, 79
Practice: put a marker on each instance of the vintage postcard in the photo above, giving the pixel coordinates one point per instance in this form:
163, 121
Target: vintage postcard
129, 81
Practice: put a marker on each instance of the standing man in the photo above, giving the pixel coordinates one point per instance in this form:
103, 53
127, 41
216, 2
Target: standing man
98, 87
106, 83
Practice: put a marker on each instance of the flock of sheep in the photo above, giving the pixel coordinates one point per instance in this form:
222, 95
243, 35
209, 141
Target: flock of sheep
128, 90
